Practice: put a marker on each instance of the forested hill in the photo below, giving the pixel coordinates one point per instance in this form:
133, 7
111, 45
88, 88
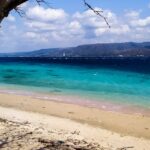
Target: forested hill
129, 49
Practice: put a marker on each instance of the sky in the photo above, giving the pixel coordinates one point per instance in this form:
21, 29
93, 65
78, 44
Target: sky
69, 23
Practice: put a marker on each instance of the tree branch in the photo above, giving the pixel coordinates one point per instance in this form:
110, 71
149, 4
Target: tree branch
8, 5
97, 12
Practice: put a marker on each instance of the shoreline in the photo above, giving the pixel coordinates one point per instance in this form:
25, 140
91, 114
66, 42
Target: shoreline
125, 124
82, 101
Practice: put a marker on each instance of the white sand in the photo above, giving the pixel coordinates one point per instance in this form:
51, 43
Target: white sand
68, 127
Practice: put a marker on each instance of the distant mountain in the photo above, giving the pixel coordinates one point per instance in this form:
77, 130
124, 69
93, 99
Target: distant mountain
129, 49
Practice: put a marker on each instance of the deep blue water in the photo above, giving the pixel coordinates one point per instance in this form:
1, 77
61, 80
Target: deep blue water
113, 80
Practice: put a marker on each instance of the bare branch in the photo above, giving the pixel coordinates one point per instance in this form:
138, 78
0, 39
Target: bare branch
20, 11
97, 12
42, 1
8, 5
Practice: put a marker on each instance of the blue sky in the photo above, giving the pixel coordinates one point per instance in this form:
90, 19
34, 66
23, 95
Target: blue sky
117, 6
71, 24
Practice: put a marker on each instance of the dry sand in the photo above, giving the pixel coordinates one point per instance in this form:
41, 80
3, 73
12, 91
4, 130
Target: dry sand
42, 120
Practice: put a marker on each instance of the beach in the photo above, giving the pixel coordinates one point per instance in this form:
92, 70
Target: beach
110, 130
74, 76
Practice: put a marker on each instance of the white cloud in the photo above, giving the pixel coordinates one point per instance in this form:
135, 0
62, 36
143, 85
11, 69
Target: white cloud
135, 20
141, 22
55, 28
42, 14
117, 30
24, 5
40, 26
98, 26
30, 35
11, 18
133, 14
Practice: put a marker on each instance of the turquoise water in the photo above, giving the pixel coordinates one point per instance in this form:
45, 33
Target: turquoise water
95, 84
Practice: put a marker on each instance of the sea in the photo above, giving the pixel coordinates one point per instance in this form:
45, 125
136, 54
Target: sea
111, 84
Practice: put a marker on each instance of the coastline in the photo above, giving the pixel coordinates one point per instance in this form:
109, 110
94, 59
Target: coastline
82, 100
125, 124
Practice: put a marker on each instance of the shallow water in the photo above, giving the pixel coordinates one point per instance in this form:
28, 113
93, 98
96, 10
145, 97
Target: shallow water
92, 83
